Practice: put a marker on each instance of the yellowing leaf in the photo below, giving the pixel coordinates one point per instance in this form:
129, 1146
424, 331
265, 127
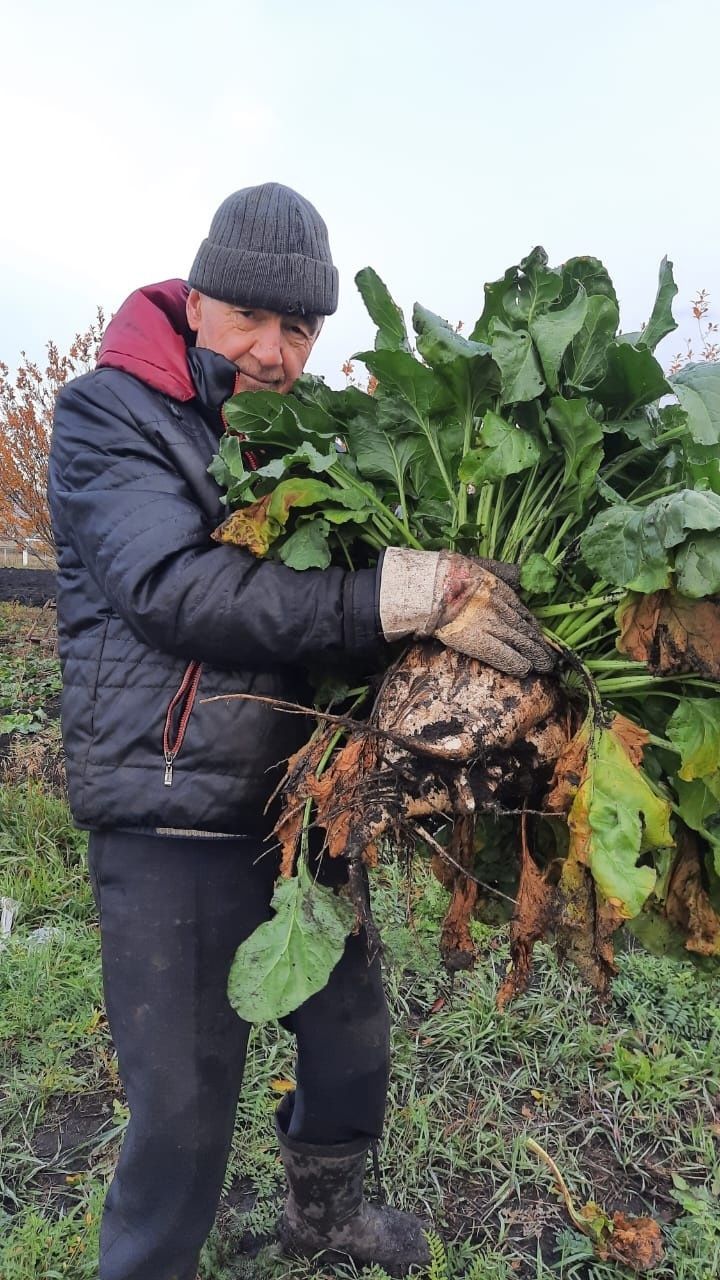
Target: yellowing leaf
694, 730
281, 1085
614, 813
615, 816
248, 527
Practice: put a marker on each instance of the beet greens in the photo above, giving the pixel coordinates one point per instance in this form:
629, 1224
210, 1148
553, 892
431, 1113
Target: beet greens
549, 439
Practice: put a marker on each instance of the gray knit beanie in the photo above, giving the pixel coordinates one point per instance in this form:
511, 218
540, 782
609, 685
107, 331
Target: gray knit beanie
268, 247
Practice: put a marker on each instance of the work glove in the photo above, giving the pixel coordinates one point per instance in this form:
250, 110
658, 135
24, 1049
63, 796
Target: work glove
464, 602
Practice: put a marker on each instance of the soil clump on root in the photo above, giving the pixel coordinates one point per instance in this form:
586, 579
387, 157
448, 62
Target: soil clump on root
448, 740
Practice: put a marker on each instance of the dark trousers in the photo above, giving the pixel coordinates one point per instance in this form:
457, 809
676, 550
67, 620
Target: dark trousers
172, 912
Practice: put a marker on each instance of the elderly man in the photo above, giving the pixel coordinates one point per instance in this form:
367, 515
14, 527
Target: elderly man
154, 618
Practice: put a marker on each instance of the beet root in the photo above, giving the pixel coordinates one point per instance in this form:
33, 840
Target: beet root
448, 738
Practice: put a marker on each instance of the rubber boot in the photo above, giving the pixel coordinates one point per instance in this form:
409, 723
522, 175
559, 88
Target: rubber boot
326, 1211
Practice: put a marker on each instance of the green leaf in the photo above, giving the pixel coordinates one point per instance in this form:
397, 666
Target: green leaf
587, 361
466, 366
699, 806
336, 407
592, 275
515, 354
662, 938
404, 376
290, 957
229, 470
384, 312
228, 462
622, 547
306, 455
661, 321
632, 378
702, 466
441, 345
380, 456
302, 492
680, 512
629, 546
537, 575
581, 437
267, 418
495, 293
252, 408
697, 565
553, 332
260, 524
356, 515
640, 428
537, 287
426, 480
697, 387
504, 450
307, 547
694, 730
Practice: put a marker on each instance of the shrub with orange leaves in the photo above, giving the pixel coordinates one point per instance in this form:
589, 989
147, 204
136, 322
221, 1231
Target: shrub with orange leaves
27, 400
708, 341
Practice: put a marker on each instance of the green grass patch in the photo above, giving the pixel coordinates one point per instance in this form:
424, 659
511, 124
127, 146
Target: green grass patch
29, 671
624, 1095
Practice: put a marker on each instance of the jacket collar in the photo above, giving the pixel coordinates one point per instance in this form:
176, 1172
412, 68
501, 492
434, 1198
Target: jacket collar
149, 337
213, 376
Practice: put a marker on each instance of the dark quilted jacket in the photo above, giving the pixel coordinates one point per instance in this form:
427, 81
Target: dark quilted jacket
143, 592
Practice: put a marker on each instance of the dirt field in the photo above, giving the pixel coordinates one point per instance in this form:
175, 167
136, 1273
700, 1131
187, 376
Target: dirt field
27, 586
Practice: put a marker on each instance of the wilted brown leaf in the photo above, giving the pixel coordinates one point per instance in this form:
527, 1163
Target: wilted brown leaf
532, 920
442, 871
338, 794
569, 772
571, 766
688, 905
456, 945
635, 1242
248, 527
585, 924
671, 633
300, 766
633, 738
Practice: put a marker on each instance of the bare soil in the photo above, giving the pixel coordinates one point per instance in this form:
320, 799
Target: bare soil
27, 586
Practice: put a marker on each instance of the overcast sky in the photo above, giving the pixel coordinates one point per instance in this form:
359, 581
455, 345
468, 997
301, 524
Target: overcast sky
440, 142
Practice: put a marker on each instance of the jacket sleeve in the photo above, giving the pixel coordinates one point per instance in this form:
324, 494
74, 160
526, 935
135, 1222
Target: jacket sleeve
130, 517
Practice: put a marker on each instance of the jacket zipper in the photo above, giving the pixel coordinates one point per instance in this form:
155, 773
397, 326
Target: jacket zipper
185, 700
187, 692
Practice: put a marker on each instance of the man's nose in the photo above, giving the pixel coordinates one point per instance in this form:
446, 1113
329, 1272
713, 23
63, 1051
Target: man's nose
267, 348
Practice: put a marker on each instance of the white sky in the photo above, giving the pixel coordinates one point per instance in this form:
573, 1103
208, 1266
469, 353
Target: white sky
440, 142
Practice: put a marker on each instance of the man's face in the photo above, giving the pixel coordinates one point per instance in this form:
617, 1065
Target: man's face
270, 350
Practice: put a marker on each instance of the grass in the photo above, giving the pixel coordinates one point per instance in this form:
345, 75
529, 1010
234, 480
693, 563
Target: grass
30, 685
625, 1095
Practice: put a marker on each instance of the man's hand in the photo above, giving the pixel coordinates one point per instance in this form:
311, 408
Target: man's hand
464, 602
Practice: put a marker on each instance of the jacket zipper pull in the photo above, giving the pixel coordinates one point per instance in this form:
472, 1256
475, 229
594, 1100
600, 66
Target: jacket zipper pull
185, 699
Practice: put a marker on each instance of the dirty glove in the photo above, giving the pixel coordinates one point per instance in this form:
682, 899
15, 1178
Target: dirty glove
464, 602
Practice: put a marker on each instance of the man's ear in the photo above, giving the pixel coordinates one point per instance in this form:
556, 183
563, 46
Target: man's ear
193, 309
